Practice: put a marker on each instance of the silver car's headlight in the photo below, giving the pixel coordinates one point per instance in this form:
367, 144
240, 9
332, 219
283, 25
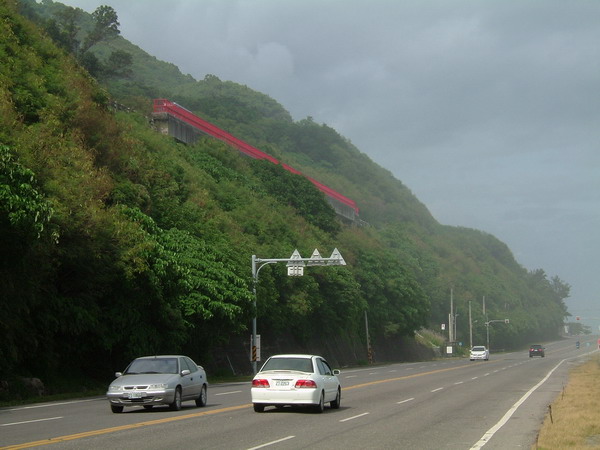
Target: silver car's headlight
115, 388
158, 386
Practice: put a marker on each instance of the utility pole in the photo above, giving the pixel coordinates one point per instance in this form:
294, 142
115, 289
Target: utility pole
451, 318
454, 322
369, 349
470, 327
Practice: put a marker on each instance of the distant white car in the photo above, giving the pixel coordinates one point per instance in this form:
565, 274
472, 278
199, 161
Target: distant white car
480, 352
306, 380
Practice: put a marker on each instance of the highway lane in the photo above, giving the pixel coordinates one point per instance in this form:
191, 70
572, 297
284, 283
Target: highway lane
450, 403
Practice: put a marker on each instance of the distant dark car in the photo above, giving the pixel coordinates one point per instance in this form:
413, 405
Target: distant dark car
536, 350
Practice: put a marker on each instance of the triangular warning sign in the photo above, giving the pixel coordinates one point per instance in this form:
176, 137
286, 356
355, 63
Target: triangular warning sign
336, 258
296, 256
316, 259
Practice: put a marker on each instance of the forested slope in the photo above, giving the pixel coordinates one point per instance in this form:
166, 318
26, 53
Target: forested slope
117, 241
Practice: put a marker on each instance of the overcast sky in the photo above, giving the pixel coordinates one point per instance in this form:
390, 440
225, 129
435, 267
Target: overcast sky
489, 111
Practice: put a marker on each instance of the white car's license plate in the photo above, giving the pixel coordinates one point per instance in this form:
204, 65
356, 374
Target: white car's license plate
282, 383
135, 395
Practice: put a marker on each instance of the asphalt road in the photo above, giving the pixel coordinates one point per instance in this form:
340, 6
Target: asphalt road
452, 403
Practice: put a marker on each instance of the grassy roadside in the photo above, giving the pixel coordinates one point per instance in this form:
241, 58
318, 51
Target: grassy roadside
573, 420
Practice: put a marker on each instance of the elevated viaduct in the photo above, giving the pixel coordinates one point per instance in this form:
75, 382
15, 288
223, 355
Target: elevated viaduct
176, 121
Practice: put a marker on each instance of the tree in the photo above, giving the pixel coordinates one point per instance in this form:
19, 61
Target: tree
22, 206
64, 29
106, 26
118, 65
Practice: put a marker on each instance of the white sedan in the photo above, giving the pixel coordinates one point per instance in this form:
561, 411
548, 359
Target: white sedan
480, 352
296, 380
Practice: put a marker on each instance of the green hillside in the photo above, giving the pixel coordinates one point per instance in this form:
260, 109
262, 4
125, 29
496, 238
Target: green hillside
118, 241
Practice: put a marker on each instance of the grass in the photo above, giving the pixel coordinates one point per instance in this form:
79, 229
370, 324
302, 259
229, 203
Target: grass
573, 420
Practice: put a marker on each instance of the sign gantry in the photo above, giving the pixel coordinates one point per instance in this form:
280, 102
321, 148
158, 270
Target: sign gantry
295, 268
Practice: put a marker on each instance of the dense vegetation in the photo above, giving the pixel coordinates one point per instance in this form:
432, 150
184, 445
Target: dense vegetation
117, 241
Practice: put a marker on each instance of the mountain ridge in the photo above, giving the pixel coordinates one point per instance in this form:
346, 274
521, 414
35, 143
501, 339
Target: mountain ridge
154, 237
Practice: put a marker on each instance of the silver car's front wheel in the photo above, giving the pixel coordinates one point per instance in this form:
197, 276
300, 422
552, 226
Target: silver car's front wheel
176, 405
202, 398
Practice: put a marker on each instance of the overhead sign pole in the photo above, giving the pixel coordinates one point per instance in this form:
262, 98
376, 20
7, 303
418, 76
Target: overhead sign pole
295, 266
487, 329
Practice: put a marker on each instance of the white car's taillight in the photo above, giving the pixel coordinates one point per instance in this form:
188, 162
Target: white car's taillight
260, 383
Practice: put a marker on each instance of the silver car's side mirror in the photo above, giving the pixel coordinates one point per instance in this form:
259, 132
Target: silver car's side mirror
118, 374
185, 372
336, 371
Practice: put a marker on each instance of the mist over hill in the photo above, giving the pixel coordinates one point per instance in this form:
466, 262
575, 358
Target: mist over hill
119, 241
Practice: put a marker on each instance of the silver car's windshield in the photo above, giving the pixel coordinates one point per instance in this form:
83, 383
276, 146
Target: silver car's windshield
478, 349
296, 364
155, 365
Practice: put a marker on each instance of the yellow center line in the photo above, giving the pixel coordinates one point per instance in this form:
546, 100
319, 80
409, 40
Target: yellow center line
406, 377
132, 426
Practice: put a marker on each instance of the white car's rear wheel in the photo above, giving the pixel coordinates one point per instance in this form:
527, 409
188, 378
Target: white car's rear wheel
335, 404
116, 409
320, 407
258, 407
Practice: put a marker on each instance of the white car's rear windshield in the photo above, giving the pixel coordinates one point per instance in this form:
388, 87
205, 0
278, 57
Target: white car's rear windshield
297, 364
478, 349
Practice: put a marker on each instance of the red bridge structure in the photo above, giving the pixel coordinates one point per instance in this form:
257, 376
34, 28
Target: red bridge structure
176, 121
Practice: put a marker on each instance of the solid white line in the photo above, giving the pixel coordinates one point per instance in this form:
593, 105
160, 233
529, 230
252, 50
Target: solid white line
489, 433
438, 389
354, 417
227, 393
46, 405
29, 421
407, 400
272, 442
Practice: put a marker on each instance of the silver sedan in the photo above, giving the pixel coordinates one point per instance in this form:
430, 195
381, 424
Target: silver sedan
158, 380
